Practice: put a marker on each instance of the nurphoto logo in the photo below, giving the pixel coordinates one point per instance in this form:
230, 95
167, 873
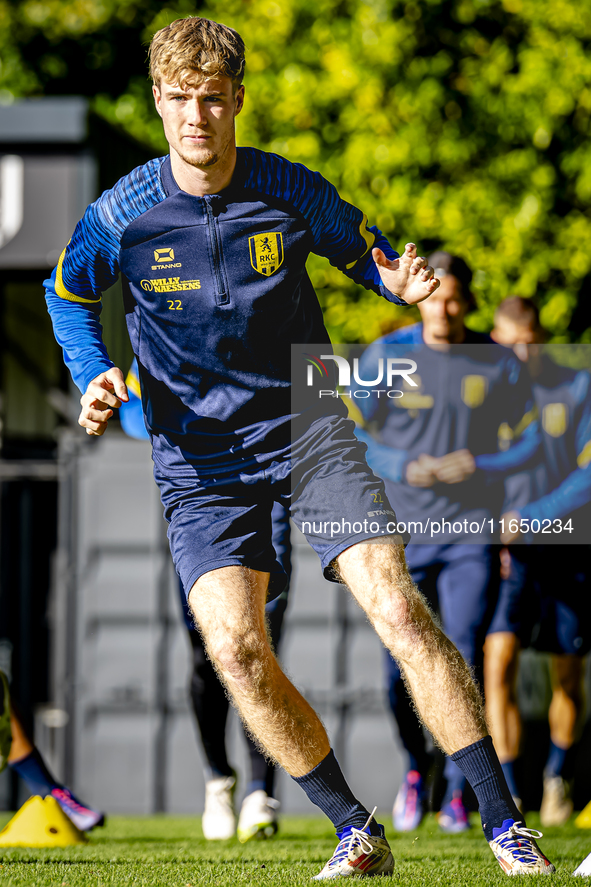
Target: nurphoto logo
384, 372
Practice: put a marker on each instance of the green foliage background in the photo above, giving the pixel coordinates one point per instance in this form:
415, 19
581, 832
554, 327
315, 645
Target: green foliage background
455, 123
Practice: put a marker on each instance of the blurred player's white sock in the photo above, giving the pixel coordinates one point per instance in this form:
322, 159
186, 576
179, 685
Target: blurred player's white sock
219, 820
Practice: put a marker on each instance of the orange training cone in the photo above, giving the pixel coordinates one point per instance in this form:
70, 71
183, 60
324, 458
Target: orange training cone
41, 822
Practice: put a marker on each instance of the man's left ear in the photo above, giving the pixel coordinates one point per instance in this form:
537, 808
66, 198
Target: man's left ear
157, 96
239, 98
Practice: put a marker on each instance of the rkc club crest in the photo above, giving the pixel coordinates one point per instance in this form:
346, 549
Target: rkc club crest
474, 390
266, 253
554, 419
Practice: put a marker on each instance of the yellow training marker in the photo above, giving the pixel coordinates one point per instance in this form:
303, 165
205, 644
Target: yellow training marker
583, 820
41, 822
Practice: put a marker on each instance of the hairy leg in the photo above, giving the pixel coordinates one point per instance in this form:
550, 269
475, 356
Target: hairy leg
567, 701
229, 606
501, 660
441, 684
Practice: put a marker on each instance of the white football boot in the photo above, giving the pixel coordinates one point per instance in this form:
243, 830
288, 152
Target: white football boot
359, 853
218, 820
516, 851
258, 816
584, 870
557, 805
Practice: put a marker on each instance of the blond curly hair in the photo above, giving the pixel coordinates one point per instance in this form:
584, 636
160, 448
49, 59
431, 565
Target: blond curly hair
198, 46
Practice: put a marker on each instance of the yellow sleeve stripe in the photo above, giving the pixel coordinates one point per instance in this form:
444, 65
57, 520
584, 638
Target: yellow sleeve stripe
60, 289
369, 240
584, 456
526, 420
133, 383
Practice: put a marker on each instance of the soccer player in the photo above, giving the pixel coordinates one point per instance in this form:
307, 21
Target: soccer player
258, 813
211, 242
546, 586
17, 750
436, 446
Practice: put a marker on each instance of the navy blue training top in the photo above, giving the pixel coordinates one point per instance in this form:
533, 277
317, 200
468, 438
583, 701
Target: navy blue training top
215, 290
477, 398
562, 482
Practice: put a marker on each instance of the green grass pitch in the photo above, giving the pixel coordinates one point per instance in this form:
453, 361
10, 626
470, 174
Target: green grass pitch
170, 850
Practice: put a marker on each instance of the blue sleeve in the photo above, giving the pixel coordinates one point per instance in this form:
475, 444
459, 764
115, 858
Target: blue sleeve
79, 332
89, 265
385, 461
515, 457
572, 493
365, 271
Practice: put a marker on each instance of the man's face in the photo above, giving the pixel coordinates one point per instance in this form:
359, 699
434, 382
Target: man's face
443, 312
518, 336
198, 118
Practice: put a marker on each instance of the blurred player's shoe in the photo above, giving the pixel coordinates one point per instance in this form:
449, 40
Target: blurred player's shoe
5, 732
410, 803
556, 802
516, 851
258, 817
453, 817
84, 818
218, 820
359, 853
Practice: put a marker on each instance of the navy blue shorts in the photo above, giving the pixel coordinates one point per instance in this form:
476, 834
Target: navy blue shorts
545, 601
225, 520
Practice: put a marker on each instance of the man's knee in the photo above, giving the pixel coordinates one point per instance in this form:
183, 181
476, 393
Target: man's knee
501, 658
398, 611
235, 642
240, 656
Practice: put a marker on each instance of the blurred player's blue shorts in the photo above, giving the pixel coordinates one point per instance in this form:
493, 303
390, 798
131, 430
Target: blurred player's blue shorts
219, 519
545, 601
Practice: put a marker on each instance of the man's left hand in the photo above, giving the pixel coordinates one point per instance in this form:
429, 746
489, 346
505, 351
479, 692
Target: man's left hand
407, 276
456, 467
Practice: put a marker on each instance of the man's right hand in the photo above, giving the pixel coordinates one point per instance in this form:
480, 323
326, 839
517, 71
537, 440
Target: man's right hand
104, 394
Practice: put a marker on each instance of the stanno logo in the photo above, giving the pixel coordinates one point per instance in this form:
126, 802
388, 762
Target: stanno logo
169, 285
266, 253
165, 255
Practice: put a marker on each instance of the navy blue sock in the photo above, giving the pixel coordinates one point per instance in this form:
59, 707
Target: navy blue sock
559, 762
508, 769
37, 777
326, 787
480, 765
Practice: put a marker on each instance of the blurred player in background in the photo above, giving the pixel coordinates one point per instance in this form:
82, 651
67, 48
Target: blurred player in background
258, 813
17, 750
437, 449
544, 599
